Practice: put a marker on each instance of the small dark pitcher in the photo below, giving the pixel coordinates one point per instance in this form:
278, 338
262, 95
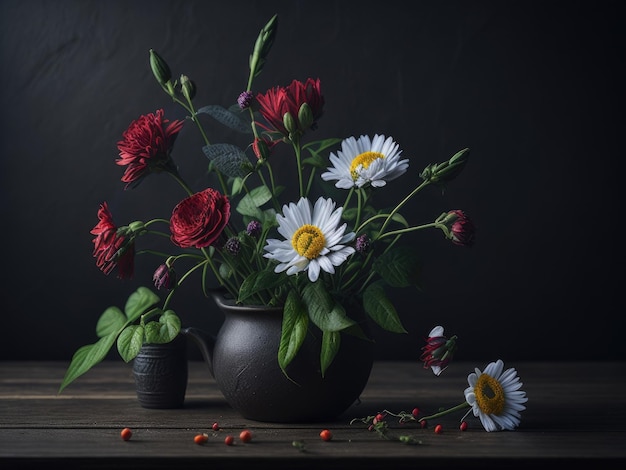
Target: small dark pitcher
160, 372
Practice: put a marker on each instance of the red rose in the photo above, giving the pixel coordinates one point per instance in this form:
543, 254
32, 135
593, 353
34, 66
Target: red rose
199, 220
111, 249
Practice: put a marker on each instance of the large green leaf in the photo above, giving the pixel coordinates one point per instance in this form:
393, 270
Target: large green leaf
331, 341
294, 329
323, 310
380, 309
129, 342
398, 267
252, 201
138, 302
111, 321
86, 357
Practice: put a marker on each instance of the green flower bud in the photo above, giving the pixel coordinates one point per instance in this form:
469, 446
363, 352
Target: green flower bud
188, 87
305, 116
289, 123
136, 227
446, 171
262, 47
160, 69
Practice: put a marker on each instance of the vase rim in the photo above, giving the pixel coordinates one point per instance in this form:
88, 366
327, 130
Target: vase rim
223, 299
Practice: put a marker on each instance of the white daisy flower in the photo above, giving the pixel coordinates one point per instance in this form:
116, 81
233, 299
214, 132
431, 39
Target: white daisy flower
495, 397
314, 239
365, 161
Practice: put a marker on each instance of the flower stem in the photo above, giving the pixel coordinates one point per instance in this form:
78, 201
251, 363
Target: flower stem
445, 412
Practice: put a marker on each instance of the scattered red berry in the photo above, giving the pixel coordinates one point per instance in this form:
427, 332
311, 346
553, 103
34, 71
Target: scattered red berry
326, 435
215, 427
380, 417
463, 426
245, 436
200, 438
415, 412
424, 424
438, 429
126, 434
229, 440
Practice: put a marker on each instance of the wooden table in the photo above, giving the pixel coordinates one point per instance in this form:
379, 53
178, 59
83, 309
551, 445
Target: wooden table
576, 413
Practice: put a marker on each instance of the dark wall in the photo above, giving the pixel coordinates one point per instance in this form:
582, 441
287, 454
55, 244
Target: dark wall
535, 89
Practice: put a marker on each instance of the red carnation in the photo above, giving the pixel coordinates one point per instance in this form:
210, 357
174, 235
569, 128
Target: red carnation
111, 249
281, 100
199, 220
146, 147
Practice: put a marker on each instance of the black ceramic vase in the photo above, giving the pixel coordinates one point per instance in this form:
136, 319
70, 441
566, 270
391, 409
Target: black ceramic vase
243, 359
160, 372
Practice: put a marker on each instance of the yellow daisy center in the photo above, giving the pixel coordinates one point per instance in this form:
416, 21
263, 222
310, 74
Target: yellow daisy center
308, 241
365, 159
489, 395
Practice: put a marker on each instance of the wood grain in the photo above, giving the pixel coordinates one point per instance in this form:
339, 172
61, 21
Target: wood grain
575, 413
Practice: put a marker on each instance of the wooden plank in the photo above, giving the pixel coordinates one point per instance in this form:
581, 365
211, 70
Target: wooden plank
575, 413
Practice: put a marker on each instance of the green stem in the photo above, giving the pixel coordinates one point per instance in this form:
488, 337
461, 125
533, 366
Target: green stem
459, 407
402, 203
408, 229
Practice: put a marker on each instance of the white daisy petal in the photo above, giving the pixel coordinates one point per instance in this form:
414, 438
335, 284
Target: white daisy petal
365, 161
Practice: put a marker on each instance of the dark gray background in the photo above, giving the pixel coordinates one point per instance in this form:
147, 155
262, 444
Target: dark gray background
535, 89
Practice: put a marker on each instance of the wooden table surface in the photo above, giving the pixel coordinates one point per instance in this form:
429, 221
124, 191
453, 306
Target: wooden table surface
576, 413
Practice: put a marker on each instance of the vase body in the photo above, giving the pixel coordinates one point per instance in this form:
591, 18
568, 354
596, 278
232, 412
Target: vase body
160, 372
245, 367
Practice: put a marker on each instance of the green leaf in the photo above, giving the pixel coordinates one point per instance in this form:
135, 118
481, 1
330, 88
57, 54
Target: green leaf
129, 342
228, 159
331, 341
259, 281
234, 121
164, 330
250, 203
294, 329
398, 267
138, 302
86, 357
380, 309
323, 310
111, 321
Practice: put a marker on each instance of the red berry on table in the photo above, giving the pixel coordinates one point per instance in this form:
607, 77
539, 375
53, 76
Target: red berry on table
200, 438
463, 426
245, 435
415, 412
229, 440
438, 429
126, 434
326, 435
215, 426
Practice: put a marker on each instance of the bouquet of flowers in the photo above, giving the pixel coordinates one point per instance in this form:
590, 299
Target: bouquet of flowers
316, 256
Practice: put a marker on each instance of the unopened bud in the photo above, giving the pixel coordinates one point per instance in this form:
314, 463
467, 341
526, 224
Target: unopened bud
305, 116
188, 87
160, 69
289, 123
446, 171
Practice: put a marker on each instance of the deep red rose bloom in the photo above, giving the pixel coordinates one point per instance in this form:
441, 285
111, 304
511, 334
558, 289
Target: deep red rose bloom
199, 220
107, 246
146, 147
280, 100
